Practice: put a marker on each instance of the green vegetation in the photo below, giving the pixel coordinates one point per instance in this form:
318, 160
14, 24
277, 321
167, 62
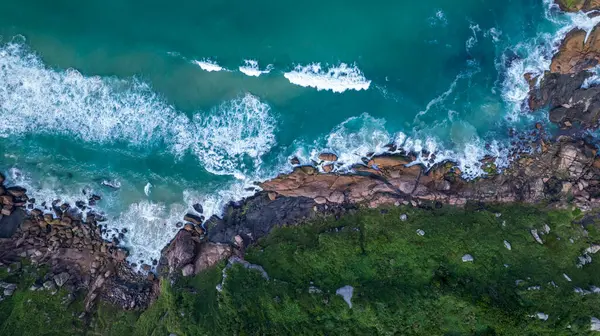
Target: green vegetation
404, 283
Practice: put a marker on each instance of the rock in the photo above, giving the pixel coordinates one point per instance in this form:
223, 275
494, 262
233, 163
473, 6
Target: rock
62, 278
6, 210
146, 267
420, 232
272, 196
404, 217
346, 292
507, 245
210, 254
187, 270
7, 200
320, 200
16, 266
188, 227
16, 191
536, 236
198, 207
2, 178
467, 258
49, 285
328, 168
9, 291
594, 324
578, 5
542, 316
328, 157
197, 220
294, 161
180, 252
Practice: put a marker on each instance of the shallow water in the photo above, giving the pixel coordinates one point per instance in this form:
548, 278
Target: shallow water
202, 99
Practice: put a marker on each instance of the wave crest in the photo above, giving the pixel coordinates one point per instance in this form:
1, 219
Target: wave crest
337, 79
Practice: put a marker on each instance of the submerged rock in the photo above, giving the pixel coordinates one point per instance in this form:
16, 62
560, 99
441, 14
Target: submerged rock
346, 292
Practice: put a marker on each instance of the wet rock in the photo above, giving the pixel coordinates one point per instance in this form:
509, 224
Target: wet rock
328, 168
197, 220
16, 191
328, 157
198, 207
294, 161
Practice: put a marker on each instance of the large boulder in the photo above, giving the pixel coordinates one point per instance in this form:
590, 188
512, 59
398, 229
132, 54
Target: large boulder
210, 254
180, 252
578, 5
578, 51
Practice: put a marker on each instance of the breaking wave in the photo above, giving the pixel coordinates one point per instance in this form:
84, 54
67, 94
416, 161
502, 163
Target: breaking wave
337, 79
251, 68
38, 100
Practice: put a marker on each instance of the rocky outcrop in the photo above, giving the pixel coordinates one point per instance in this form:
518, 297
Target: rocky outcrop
70, 244
560, 170
578, 5
579, 51
189, 254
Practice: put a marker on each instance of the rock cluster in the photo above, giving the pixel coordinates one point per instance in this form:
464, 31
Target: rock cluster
578, 5
70, 242
564, 89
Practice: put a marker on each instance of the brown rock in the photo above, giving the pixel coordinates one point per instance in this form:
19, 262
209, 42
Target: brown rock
328, 168
578, 5
7, 200
187, 270
6, 210
328, 157
188, 227
576, 53
272, 196
181, 251
16, 191
197, 220
210, 254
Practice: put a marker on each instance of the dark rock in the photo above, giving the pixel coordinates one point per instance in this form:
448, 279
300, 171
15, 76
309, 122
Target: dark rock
198, 208
16, 191
295, 161
10, 224
197, 220
180, 252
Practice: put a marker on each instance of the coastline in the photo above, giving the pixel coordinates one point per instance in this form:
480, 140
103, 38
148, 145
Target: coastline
560, 172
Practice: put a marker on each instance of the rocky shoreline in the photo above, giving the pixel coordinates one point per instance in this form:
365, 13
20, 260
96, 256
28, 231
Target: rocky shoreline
558, 172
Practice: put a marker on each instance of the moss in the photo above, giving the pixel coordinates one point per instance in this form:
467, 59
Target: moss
405, 284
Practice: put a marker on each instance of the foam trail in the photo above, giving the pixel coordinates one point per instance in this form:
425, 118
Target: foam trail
365, 136
209, 65
251, 68
37, 100
337, 79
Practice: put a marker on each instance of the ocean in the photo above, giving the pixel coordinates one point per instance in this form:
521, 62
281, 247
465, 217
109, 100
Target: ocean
159, 105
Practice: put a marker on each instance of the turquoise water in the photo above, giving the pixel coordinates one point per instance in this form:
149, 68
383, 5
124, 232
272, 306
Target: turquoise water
181, 102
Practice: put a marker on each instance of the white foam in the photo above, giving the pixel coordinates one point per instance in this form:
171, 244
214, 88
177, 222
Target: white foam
235, 131
38, 100
365, 136
251, 68
150, 226
148, 189
336, 78
209, 65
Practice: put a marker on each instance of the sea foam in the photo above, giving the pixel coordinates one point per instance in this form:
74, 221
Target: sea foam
209, 65
336, 78
251, 68
35, 99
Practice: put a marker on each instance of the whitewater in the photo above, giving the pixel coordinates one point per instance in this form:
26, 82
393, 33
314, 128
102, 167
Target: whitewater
153, 141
